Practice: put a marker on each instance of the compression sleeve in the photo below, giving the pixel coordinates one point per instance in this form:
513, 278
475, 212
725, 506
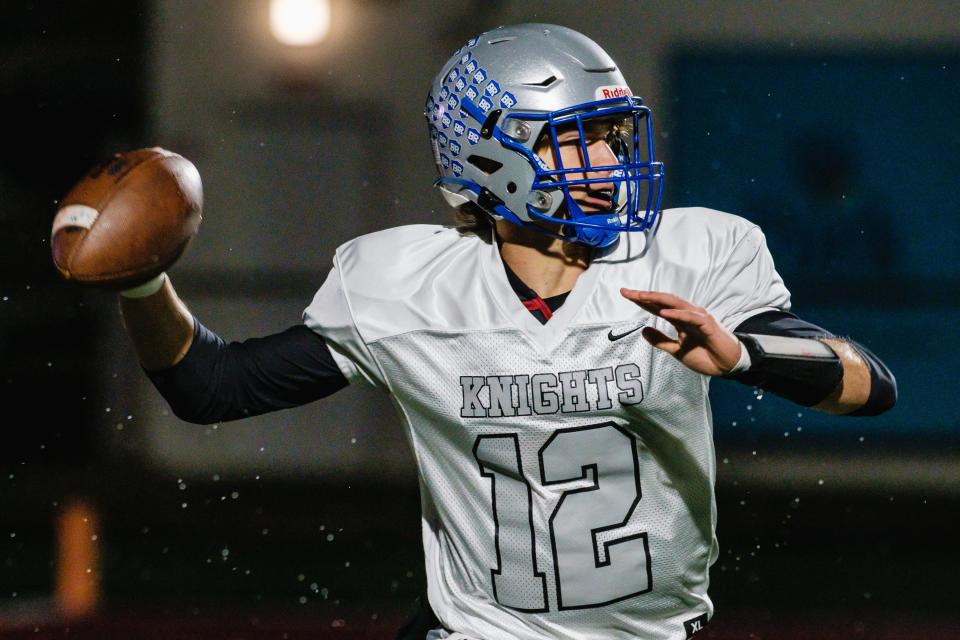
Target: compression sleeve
216, 381
809, 392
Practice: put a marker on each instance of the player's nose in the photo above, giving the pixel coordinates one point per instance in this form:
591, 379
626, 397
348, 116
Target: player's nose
601, 155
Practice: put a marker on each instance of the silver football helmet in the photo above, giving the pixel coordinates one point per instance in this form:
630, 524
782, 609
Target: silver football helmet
511, 90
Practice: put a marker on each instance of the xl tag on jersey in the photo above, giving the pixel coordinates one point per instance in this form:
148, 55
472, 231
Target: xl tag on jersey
695, 625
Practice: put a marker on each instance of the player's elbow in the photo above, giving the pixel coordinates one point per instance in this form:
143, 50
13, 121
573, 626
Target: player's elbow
208, 412
883, 397
192, 414
889, 398
867, 383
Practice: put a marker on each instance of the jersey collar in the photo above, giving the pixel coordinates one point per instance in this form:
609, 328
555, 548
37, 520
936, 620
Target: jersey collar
544, 337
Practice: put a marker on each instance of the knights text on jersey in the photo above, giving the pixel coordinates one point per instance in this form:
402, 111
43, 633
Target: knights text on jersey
566, 469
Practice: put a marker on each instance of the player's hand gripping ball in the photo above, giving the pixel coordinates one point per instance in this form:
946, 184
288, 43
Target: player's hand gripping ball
128, 220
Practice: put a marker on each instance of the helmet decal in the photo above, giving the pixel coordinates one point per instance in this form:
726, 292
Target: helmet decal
605, 93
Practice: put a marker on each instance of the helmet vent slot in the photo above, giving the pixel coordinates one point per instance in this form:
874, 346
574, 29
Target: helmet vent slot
504, 39
486, 165
543, 83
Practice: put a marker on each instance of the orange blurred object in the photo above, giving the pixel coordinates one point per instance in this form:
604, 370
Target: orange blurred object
78, 572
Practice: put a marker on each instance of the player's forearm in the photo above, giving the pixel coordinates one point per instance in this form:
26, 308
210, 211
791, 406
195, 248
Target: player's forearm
160, 327
867, 388
851, 380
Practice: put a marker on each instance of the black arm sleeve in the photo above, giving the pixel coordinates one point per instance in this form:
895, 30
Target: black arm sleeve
883, 386
217, 382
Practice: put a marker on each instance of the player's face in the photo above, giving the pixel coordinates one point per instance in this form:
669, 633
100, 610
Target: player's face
599, 137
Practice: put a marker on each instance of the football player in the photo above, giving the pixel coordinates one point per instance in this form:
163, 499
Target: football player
549, 356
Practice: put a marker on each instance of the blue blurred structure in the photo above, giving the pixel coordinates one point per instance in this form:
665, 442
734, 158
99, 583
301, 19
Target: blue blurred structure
848, 161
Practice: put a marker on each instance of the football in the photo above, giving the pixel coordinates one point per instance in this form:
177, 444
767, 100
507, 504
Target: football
128, 219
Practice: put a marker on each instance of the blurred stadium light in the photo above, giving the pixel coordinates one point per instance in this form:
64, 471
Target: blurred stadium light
300, 23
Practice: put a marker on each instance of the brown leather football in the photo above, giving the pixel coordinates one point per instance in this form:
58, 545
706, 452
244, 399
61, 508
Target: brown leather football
128, 220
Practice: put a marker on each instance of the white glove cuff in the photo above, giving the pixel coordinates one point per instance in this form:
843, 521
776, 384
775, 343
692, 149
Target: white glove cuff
743, 363
148, 288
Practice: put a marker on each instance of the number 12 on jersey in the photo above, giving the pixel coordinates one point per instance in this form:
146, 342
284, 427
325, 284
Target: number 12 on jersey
596, 561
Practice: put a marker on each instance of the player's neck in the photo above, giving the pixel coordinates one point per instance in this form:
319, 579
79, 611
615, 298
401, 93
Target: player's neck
547, 265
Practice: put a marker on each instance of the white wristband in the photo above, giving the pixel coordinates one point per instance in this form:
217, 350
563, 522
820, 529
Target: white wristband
148, 288
743, 363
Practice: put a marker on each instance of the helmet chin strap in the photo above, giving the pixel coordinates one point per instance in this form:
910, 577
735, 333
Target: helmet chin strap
598, 238
592, 236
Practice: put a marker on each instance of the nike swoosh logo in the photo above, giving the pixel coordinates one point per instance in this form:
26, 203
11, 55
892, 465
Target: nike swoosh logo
613, 337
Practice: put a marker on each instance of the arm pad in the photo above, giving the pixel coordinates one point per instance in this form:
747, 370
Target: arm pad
803, 370
807, 381
217, 382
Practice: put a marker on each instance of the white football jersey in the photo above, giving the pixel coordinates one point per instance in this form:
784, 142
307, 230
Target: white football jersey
566, 469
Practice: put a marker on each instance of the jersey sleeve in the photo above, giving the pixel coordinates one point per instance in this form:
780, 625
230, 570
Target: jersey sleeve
329, 315
216, 381
746, 283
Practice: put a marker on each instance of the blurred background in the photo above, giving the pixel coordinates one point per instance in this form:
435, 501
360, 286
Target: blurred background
833, 125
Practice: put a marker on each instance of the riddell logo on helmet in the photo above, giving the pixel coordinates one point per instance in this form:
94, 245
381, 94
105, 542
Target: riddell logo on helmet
613, 91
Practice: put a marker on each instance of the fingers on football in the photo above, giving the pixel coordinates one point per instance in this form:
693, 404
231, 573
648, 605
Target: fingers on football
660, 340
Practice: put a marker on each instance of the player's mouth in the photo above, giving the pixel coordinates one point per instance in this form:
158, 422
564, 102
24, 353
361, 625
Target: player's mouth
596, 199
